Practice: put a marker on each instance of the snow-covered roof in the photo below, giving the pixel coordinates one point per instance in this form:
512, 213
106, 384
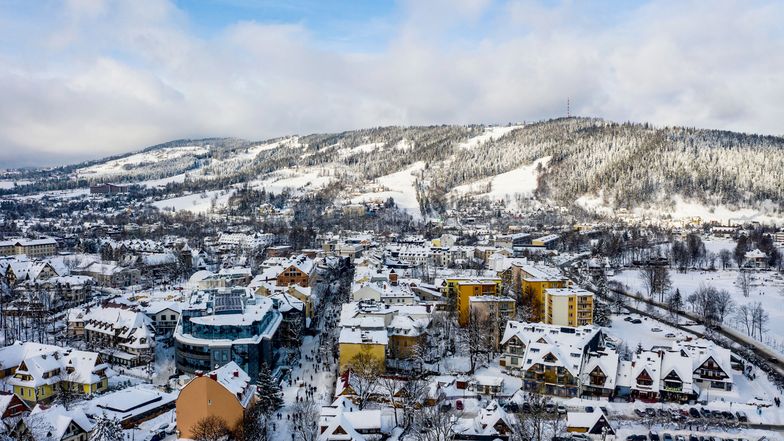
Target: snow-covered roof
358, 335
52, 423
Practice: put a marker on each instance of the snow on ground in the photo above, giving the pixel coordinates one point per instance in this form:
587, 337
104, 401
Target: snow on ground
521, 181
364, 148
681, 209
490, 133
58, 194
119, 166
294, 179
766, 288
162, 182
7, 185
196, 203
398, 186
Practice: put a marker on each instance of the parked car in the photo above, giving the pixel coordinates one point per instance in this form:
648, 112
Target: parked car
604, 410
589, 409
639, 412
636, 321
680, 438
670, 335
693, 437
694, 413
561, 409
667, 437
650, 411
550, 407
527, 407
656, 329
512, 407
742, 417
653, 435
728, 416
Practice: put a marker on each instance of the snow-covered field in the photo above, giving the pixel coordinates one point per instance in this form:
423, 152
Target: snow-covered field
490, 133
521, 181
197, 203
766, 287
400, 187
680, 209
294, 179
119, 166
7, 185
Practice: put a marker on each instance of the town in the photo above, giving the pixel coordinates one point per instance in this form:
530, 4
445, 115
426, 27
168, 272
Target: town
122, 321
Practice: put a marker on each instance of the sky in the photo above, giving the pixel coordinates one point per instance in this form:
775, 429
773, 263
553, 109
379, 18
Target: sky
84, 79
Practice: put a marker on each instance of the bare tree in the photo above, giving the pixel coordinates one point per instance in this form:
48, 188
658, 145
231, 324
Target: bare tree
759, 318
531, 423
725, 257
744, 282
743, 315
303, 425
724, 305
431, 424
210, 428
393, 387
366, 371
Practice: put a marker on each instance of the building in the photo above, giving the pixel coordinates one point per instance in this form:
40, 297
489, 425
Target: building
108, 189
110, 274
125, 336
133, 405
31, 247
300, 270
549, 241
164, 316
355, 340
531, 281
450, 284
223, 325
592, 423
54, 423
226, 393
493, 309
47, 371
568, 307
466, 289
549, 358
755, 259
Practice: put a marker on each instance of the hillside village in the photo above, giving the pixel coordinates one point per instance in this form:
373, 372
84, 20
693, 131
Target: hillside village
288, 316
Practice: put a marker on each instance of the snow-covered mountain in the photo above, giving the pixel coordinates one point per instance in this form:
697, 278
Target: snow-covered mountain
579, 162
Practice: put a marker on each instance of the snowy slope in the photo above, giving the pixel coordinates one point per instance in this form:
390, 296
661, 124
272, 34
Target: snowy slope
398, 186
197, 203
119, 166
294, 179
490, 133
521, 181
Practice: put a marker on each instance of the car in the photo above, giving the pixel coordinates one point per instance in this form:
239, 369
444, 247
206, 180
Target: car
670, 335
561, 409
639, 412
628, 318
580, 437
705, 412
716, 414
512, 407
693, 437
527, 408
742, 417
636, 321
662, 413
666, 437
650, 411
604, 410
550, 407
656, 329
680, 438
446, 407
653, 435
694, 413
589, 409
459, 405
675, 413
728, 416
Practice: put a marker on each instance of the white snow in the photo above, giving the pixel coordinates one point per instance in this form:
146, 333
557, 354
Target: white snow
196, 203
521, 181
7, 185
364, 148
490, 133
295, 179
398, 186
118, 166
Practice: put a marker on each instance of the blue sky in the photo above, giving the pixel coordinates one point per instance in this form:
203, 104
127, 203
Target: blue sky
87, 78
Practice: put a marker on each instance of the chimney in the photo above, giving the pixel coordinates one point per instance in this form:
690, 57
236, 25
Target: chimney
236, 374
393, 278
199, 373
214, 376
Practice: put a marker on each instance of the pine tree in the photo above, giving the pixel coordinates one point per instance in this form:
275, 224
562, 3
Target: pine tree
107, 429
268, 392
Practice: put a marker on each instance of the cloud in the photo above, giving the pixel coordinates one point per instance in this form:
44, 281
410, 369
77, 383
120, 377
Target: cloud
84, 79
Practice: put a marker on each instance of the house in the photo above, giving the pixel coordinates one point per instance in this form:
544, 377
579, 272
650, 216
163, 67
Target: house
299, 270
591, 423
355, 340
549, 241
108, 188
11, 409
755, 259
676, 376
548, 358
226, 393
164, 316
110, 274
532, 280
125, 335
47, 371
645, 375
491, 423
600, 373
711, 365
54, 423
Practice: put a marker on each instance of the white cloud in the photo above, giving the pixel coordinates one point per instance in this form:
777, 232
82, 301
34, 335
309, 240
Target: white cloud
94, 78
